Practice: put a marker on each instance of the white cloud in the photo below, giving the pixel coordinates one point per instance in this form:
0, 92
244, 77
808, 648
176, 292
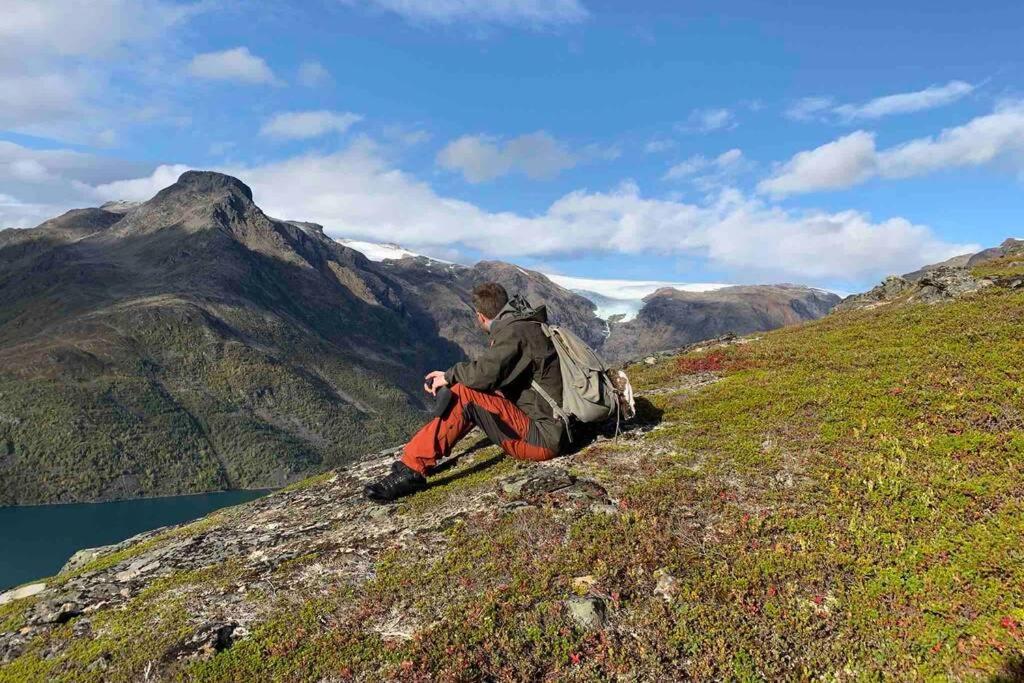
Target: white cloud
996, 138
313, 74
709, 120
15, 213
698, 163
300, 125
538, 13
480, 158
659, 145
33, 101
841, 163
141, 189
41, 184
65, 28
809, 108
55, 59
236, 64
405, 135
356, 194
825, 108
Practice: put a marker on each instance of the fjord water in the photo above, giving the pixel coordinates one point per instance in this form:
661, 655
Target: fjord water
36, 541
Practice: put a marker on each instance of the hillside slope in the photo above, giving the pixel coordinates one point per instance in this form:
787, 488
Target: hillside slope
839, 500
193, 343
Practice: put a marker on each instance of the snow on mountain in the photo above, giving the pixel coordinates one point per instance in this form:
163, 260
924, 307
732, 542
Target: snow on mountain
612, 297
624, 297
376, 251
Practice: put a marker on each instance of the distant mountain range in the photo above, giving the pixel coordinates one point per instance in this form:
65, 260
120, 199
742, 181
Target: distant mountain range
191, 342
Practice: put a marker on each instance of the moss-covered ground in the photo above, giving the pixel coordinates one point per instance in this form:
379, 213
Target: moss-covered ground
845, 504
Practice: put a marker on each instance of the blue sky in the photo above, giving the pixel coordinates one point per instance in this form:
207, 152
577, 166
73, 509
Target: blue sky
685, 141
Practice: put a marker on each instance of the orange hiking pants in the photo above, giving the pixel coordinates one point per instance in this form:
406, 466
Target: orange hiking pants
501, 419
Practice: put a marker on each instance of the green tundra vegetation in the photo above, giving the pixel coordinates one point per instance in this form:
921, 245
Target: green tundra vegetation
845, 503
178, 406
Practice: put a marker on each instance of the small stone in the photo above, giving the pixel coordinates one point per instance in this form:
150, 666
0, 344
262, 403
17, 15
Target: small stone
667, 586
22, 592
650, 360
56, 612
379, 512
537, 481
588, 613
604, 509
126, 575
209, 640
100, 664
583, 584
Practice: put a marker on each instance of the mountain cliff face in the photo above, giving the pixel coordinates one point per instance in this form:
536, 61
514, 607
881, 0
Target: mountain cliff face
444, 290
193, 343
672, 319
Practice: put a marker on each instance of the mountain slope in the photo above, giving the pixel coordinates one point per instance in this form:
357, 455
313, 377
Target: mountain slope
838, 500
193, 343
671, 318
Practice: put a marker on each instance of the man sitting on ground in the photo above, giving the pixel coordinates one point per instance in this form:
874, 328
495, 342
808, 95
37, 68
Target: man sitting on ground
492, 392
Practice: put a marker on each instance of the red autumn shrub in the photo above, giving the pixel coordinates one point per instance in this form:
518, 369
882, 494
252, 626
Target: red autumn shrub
712, 362
715, 361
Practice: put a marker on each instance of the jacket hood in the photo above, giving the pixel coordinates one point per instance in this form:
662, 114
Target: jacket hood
518, 308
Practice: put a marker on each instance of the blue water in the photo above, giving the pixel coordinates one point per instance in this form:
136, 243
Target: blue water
36, 541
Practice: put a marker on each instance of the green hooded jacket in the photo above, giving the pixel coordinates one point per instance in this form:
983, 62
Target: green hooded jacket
519, 352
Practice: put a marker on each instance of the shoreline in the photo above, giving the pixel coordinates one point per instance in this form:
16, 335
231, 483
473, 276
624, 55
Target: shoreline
130, 500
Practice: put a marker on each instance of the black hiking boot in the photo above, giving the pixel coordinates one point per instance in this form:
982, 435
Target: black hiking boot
401, 482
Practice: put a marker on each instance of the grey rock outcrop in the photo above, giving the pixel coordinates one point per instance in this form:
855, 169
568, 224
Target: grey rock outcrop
946, 281
588, 612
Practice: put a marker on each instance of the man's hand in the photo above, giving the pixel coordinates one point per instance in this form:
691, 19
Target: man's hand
434, 381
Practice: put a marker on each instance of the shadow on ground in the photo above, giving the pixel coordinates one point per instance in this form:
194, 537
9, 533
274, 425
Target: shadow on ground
1013, 673
583, 435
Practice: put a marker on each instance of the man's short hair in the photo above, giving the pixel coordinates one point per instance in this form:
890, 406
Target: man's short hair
489, 298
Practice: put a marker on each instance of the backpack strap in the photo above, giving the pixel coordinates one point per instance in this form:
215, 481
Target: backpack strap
555, 408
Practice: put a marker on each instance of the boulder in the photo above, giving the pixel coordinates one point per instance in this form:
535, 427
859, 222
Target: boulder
588, 612
22, 592
84, 557
536, 481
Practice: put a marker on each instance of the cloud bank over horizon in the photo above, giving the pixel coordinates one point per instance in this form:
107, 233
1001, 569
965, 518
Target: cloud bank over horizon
356, 193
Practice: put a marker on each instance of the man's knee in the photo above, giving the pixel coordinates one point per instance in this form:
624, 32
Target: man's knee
525, 451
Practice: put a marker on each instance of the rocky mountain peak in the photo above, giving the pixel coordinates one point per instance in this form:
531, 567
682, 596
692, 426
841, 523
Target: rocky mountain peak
210, 182
198, 201
121, 206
